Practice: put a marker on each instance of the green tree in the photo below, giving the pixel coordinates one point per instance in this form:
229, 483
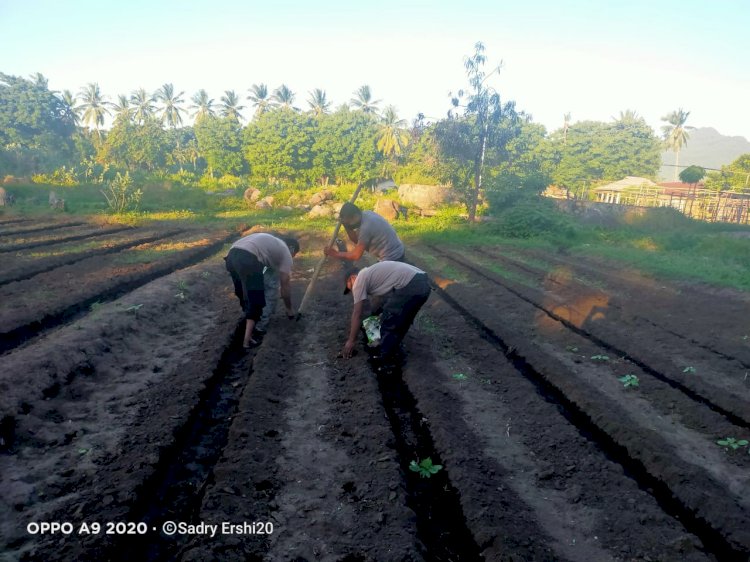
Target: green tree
283, 97
363, 101
94, 107
171, 110
202, 105
230, 106
525, 170
220, 144
143, 105
392, 136
318, 102
479, 135
135, 147
259, 97
675, 134
595, 151
35, 127
732, 177
344, 147
71, 113
278, 146
692, 174
122, 108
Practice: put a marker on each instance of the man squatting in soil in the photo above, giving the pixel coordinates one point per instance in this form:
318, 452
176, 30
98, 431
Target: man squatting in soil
370, 232
246, 261
403, 289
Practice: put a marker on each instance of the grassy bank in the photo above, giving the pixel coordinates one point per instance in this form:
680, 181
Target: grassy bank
662, 242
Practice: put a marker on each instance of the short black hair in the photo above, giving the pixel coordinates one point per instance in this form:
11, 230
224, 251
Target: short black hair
349, 210
349, 273
293, 243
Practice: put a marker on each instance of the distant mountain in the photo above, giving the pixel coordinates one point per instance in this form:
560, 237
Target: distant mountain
706, 147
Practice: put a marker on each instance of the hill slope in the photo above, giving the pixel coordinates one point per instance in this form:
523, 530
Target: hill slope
706, 147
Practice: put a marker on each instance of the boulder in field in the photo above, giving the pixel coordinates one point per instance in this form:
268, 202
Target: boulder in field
388, 209
321, 197
251, 195
319, 211
425, 196
269, 199
263, 205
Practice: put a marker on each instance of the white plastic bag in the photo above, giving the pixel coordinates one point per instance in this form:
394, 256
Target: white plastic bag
371, 324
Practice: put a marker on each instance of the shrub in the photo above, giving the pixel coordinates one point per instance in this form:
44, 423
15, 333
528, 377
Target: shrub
120, 195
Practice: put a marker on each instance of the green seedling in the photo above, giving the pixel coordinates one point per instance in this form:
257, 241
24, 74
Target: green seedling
600, 357
181, 295
460, 377
629, 380
690, 370
732, 443
95, 306
425, 468
571, 348
206, 274
182, 286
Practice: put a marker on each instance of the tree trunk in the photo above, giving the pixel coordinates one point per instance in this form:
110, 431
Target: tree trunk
676, 165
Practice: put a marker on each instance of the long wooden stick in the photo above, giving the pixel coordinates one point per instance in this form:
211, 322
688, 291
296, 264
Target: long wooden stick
318, 267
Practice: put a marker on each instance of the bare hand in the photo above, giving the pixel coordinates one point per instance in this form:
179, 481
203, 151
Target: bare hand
348, 349
330, 251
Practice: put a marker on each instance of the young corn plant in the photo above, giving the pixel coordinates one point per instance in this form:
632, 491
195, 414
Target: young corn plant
600, 357
425, 468
690, 370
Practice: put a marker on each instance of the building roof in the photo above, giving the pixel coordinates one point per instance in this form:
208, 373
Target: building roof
628, 182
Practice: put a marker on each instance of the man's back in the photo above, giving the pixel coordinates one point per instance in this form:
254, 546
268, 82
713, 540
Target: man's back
379, 237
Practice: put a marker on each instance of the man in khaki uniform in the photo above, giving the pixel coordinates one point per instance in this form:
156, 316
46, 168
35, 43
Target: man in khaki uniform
245, 262
403, 289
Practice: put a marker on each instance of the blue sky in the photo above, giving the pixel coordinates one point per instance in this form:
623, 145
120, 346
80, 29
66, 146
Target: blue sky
590, 58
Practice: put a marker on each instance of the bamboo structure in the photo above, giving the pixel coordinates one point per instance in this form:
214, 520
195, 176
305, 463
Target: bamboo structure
696, 202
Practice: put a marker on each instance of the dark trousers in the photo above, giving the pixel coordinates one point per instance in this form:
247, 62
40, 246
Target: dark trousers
399, 310
247, 276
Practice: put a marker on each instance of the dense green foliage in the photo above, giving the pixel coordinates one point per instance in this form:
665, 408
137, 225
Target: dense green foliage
35, 129
734, 177
592, 151
493, 156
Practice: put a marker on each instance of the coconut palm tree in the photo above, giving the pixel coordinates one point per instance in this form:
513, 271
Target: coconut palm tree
675, 135
283, 97
230, 105
71, 112
363, 101
318, 103
39, 80
392, 136
259, 97
143, 105
203, 105
122, 108
94, 106
171, 110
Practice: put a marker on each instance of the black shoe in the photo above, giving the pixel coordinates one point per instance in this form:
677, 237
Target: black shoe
260, 331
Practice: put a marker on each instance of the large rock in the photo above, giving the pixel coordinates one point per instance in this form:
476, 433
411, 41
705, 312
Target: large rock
320, 211
270, 199
425, 196
251, 195
263, 205
388, 209
321, 197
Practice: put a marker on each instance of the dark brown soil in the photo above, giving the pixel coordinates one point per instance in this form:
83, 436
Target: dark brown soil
145, 409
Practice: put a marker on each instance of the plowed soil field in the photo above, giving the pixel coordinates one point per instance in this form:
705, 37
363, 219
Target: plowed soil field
130, 414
